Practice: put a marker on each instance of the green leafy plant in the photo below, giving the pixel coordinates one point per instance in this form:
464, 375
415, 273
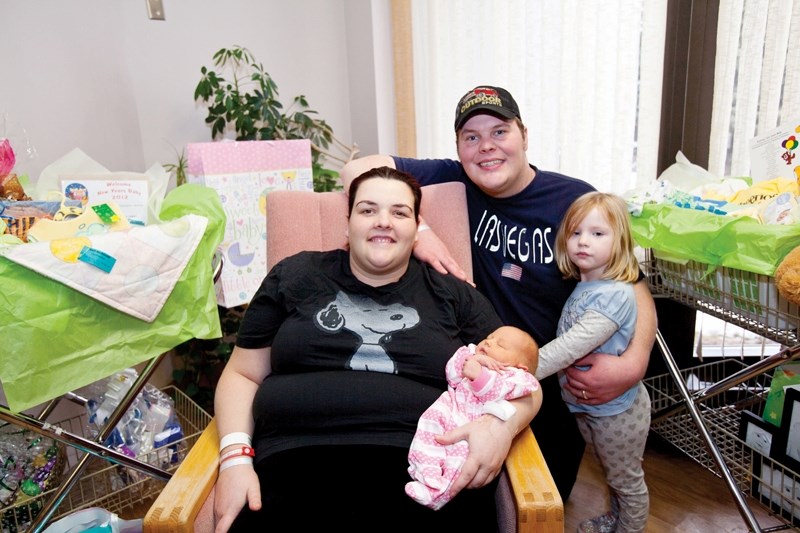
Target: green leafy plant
178, 167
242, 96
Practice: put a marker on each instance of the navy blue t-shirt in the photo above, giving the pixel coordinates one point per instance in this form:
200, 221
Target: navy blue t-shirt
513, 242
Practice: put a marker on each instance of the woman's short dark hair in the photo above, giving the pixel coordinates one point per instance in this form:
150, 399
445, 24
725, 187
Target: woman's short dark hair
390, 174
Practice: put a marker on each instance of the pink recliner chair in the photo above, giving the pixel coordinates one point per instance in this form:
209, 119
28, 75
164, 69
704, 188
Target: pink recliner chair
527, 498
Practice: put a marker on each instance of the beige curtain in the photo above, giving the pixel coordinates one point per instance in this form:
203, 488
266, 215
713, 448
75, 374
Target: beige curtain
586, 74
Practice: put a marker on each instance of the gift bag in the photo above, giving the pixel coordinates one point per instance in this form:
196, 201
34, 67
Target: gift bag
243, 173
786, 376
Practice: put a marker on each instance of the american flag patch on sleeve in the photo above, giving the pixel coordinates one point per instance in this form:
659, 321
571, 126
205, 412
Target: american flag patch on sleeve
511, 271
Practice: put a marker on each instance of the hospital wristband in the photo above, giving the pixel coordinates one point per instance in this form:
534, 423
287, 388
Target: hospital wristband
238, 437
423, 227
241, 460
244, 451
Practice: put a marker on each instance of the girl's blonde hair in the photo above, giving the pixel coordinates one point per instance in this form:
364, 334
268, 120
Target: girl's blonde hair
622, 265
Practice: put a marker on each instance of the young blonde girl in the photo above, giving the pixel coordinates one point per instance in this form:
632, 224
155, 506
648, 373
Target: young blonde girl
594, 245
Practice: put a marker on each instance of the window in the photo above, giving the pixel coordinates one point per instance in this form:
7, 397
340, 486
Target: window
756, 88
756, 79
713, 337
586, 75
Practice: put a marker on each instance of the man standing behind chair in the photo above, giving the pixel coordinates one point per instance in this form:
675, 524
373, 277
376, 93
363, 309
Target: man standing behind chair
514, 211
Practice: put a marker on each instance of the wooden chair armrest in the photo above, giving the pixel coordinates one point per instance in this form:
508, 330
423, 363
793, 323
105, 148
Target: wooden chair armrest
176, 508
539, 505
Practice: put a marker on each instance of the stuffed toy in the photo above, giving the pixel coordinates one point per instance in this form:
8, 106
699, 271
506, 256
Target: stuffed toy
787, 276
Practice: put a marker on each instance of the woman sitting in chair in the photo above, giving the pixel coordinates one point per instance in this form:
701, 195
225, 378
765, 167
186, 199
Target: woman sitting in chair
338, 355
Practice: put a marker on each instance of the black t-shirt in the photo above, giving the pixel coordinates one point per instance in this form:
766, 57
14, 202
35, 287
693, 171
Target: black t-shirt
351, 363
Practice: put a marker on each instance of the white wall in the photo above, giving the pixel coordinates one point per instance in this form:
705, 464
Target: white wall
101, 76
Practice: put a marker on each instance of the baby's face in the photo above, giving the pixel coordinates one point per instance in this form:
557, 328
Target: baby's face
505, 344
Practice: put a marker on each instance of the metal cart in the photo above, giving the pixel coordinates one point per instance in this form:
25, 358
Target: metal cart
83, 453
93, 480
698, 409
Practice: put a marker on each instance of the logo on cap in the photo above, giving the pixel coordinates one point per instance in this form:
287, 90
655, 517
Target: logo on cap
480, 95
492, 99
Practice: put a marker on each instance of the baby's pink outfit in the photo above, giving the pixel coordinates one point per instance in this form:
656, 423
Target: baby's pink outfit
434, 466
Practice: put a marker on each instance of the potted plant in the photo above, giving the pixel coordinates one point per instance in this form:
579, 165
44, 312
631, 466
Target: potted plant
179, 167
242, 96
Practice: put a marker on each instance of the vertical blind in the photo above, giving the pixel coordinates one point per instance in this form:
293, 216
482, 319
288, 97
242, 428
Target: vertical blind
587, 76
756, 78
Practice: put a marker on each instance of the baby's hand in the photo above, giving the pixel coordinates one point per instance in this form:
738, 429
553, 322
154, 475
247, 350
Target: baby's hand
489, 362
471, 369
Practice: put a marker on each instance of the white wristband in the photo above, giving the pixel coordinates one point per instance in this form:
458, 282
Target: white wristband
244, 460
423, 227
237, 437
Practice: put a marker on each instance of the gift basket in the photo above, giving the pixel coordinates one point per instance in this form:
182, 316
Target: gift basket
716, 246
97, 290
113, 291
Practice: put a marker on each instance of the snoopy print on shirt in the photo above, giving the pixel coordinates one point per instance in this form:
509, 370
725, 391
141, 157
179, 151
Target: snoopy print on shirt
372, 322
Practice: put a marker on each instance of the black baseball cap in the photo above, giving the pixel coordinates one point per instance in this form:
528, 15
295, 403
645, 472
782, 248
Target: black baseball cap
486, 98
